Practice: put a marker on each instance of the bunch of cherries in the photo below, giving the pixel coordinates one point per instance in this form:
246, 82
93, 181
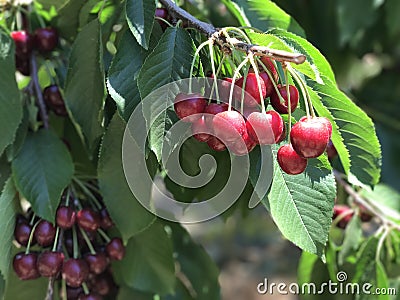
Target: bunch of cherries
76, 250
343, 213
239, 133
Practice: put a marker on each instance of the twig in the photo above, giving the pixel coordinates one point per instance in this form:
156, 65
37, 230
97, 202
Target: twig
226, 43
38, 92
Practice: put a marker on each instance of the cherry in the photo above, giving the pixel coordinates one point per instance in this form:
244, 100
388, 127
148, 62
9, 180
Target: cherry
163, 14
283, 107
340, 209
49, 263
91, 296
75, 272
270, 66
323, 120
211, 110
103, 284
52, 96
269, 87
88, 219
283, 135
265, 128
106, 222
22, 65
46, 39
365, 216
115, 249
25, 266
189, 107
331, 150
199, 129
22, 232
229, 125
74, 293
45, 233
251, 87
60, 111
215, 144
289, 161
310, 137
23, 43
243, 146
97, 262
65, 217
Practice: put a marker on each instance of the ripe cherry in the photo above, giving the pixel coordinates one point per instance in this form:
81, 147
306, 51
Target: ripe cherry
242, 146
310, 137
211, 110
269, 87
115, 249
289, 161
252, 98
283, 135
270, 66
215, 144
65, 217
75, 272
25, 266
282, 107
265, 128
22, 232
342, 210
52, 96
323, 120
102, 284
91, 296
22, 65
331, 150
45, 233
189, 107
106, 222
73, 293
98, 262
163, 14
49, 263
46, 39
199, 129
229, 126
23, 43
88, 219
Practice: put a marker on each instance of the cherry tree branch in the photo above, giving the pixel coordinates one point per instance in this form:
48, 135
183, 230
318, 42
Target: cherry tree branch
38, 92
227, 43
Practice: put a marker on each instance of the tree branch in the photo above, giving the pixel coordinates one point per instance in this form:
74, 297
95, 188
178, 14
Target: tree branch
227, 43
38, 92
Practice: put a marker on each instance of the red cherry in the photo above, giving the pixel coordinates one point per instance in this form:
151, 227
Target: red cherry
22, 65
189, 107
323, 120
216, 144
106, 222
22, 232
331, 150
289, 161
310, 137
283, 135
88, 219
270, 66
199, 129
25, 266
98, 262
91, 296
102, 284
23, 43
211, 110
45, 233
365, 215
283, 107
242, 146
340, 209
75, 272
229, 125
46, 39
73, 293
49, 263
52, 96
65, 217
251, 87
115, 249
163, 14
269, 87
265, 128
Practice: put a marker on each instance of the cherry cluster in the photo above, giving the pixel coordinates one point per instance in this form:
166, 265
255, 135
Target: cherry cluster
76, 249
221, 127
343, 213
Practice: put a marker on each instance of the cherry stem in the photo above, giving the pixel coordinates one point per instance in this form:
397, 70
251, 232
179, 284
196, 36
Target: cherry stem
255, 68
165, 21
341, 217
303, 84
194, 62
31, 237
104, 235
241, 33
246, 73
87, 192
272, 79
63, 289
56, 240
50, 289
215, 85
235, 75
386, 231
303, 92
289, 102
85, 288
75, 242
38, 91
87, 240
210, 48
32, 219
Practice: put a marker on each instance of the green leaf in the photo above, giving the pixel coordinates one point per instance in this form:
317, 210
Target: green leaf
42, 170
237, 12
353, 133
8, 211
85, 88
5, 170
383, 194
169, 61
382, 281
126, 293
128, 214
140, 17
301, 205
68, 18
392, 19
10, 100
313, 55
352, 238
148, 264
265, 14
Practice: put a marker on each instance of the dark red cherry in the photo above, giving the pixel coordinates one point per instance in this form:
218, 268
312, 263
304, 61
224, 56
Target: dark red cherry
49, 263
269, 87
52, 96
25, 266
216, 144
88, 219
331, 150
22, 64
252, 98
189, 107
339, 210
289, 161
229, 126
98, 262
46, 39
75, 272
22, 232
242, 146
102, 284
65, 217
23, 43
106, 222
45, 233
115, 249
265, 128
282, 107
200, 129
211, 110
270, 66
163, 14
91, 296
